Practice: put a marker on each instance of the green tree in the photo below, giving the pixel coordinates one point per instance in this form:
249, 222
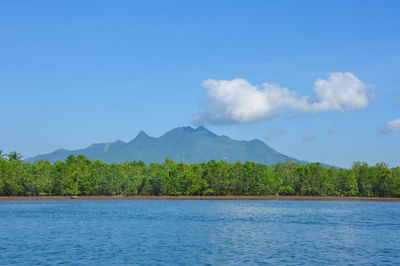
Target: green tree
14, 156
80, 176
364, 178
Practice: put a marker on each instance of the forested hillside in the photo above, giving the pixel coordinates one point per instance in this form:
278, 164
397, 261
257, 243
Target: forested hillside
80, 176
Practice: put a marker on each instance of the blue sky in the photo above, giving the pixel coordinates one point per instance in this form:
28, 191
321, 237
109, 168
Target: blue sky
74, 73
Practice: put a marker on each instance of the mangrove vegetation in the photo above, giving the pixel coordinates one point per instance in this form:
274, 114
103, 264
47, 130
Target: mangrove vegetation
80, 176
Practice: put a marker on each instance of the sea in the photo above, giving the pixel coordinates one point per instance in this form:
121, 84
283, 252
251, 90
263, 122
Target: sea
199, 232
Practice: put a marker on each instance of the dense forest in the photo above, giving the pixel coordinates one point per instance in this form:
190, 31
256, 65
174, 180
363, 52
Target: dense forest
80, 176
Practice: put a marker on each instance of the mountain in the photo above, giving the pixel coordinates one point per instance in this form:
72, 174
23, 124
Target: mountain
183, 144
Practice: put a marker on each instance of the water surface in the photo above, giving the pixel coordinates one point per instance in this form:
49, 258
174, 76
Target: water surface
199, 232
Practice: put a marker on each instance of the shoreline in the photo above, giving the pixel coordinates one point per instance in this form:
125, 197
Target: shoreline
272, 197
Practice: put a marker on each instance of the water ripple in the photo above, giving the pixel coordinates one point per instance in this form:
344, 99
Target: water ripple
199, 233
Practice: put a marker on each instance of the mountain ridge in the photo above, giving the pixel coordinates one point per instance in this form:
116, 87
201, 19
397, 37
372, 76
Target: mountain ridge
181, 144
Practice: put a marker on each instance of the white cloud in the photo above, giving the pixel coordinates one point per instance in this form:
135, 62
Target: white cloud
238, 101
391, 126
341, 92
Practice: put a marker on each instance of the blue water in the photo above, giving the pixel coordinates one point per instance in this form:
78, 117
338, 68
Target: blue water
199, 232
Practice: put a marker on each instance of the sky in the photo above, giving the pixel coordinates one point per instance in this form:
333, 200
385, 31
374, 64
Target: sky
316, 80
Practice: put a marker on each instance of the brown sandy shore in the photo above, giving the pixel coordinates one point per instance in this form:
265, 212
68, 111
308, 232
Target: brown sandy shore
77, 198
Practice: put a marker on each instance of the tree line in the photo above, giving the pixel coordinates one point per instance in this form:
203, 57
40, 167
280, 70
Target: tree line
81, 176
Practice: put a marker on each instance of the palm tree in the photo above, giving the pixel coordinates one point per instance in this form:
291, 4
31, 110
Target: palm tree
2, 155
14, 156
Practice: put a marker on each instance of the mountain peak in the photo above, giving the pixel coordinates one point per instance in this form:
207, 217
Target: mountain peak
201, 128
184, 131
178, 131
204, 130
142, 135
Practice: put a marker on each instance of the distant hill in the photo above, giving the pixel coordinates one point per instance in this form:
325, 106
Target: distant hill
183, 144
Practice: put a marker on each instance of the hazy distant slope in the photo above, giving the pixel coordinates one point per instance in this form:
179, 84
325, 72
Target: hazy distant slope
183, 144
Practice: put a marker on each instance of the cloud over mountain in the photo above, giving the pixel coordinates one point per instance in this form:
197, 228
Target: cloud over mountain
238, 101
